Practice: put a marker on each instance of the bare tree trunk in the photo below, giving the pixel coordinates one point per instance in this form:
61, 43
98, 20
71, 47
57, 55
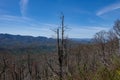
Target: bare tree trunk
4, 69
29, 67
59, 56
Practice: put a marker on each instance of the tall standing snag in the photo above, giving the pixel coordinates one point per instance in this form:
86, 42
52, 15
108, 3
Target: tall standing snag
61, 52
61, 49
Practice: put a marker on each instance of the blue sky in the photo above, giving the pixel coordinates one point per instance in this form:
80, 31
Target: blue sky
83, 18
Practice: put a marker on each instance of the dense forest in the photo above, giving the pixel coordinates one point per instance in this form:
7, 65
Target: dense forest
97, 60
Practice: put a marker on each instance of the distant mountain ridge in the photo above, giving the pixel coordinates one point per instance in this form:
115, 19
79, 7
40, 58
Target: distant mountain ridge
17, 41
82, 40
17, 44
10, 41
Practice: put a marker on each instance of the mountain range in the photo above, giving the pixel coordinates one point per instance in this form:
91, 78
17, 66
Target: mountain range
18, 43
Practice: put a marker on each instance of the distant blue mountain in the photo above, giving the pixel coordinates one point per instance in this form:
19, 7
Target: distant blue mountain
81, 40
17, 44
17, 41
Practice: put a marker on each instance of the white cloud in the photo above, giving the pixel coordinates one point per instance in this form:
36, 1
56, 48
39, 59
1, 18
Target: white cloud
25, 26
25, 20
85, 32
108, 9
13, 18
23, 6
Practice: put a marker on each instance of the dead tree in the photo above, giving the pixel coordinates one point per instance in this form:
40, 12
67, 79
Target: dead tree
101, 40
29, 64
60, 56
14, 73
3, 69
112, 42
116, 28
61, 52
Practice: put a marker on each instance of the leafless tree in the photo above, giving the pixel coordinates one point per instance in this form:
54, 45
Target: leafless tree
61, 51
116, 28
3, 72
29, 65
112, 42
101, 40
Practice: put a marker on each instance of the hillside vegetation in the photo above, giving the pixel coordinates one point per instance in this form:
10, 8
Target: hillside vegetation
63, 59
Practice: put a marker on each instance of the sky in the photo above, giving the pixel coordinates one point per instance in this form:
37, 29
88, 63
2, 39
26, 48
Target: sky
83, 18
